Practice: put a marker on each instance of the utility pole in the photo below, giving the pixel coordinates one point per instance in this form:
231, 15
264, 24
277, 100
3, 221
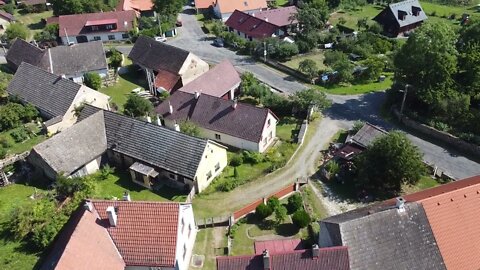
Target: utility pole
404, 98
264, 50
159, 25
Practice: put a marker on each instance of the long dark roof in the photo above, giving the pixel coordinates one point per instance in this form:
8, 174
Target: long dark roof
22, 51
50, 93
157, 55
152, 144
382, 237
245, 121
403, 10
367, 134
60, 60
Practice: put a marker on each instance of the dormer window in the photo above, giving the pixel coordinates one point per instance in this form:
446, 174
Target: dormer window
94, 28
245, 3
416, 11
402, 15
109, 27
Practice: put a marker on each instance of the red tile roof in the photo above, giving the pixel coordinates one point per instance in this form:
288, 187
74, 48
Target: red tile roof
278, 16
75, 24
216, 82
228, 6
52, 20
333, 258
201, 4
250, 25
146, 232
165, 79
101, 22
278, 246
137, 5
454, 215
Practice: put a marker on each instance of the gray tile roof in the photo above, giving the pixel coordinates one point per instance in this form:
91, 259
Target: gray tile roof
22, 51
367, 134
381, 237
50, 93
71, 149
157, 55
78, 58
245, 121
151, 144
406, 7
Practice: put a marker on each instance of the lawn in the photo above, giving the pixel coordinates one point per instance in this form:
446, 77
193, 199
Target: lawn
17, 148
352, 17
356, 89
288, 128
424, 183
126, 83
118, 182
205, 244
13, 254
313, 204
317, 56
32, 20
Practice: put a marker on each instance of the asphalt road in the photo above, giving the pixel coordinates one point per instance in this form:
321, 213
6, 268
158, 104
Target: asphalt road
345, 109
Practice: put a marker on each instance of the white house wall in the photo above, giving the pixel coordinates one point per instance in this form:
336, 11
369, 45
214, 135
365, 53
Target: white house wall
267, 129
91, 37
192, 68
184, 239
213, 155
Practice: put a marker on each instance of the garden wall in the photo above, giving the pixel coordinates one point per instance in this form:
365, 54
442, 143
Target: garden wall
288, 70
444, 137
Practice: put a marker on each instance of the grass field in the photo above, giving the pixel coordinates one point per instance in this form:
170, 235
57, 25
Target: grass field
33, 21
17, 148
317, 56
356, 89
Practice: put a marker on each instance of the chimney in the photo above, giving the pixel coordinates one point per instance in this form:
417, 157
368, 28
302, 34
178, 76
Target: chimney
315, 251
149, 119
170, 107
197, 94
266, 260
400, 204
112, 216
176, 127
235, 102
159, 121
125, 24
88, 206
266, 19
126, 196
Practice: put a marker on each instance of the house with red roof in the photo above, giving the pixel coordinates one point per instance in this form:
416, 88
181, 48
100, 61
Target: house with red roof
286, 254
228, 122
5, 20
223, 9
141, 7
262, 24
221, 81
118, 235
104, 26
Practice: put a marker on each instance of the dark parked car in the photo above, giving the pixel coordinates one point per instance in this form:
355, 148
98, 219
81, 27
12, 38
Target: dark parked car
218, 42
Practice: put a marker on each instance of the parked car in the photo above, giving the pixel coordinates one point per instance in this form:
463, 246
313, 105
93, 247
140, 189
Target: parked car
160, 39
218, 42
178, 23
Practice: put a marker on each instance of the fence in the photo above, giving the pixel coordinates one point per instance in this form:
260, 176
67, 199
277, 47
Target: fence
302, 132
288, 70
190, 196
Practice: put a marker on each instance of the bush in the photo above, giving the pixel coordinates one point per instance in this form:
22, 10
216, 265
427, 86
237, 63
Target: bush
4, 142
252, 157
263, 211
295, 202
19, 135
236, 161
273, 203
106, 171
332, 167
227, 185
3, 152
92, 80
235, 172
10, 8
301, 219
137, 106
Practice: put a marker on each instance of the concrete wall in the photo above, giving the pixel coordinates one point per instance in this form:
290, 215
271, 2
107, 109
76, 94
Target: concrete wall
214, 160
91, 37
186, 235
41, 167
87, 169
192, 68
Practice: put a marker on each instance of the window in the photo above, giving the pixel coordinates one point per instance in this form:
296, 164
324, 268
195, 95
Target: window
125, 36
218, 137
172, 176
265, 141
184, 251
209, 175
97, 38
217, 167
109, 27
94, 28
183, 225
189, 230
270, 135
268, 122
111, 37
238, 32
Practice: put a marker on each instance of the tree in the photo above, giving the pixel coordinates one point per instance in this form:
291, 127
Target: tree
311, 19
280, 214
3, 152
469, 60
295, 202
390, 161
10, 8
375, 28
168, 8
236, 160
92, 80
67, 7
273, 203
217, 28
303, 99
16, 30
263, 211
189, 128
344, 69
49, 33
428, 61
137, 106
332, 57
115, 59
374, 66
309, 68
301, 218
342, 21
362, 23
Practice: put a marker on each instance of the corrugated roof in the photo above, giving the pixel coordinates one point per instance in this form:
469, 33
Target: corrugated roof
228, 6
157, 55
216, 82
278, 246
76, 146
74, 25
367, 134
44, 90
245, 121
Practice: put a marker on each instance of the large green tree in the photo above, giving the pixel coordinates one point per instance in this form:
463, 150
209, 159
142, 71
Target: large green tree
428, 62
66, 7
303, 99
309, 68
137, 106
388, 163
469, 60
16, 30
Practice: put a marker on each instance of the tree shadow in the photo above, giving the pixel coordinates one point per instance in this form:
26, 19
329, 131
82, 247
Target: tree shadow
286, 229
36, 26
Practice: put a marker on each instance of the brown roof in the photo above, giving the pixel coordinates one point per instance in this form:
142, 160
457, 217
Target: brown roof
250, 25
83, 244
7, 16
75, 24
216, 82
137, 5
166, 79
333, 258
278, 16
454, 215
200, 4
228, 6
278, 246
52, 20
245, 121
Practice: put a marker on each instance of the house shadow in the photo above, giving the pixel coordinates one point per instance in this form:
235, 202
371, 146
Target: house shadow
36, 26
